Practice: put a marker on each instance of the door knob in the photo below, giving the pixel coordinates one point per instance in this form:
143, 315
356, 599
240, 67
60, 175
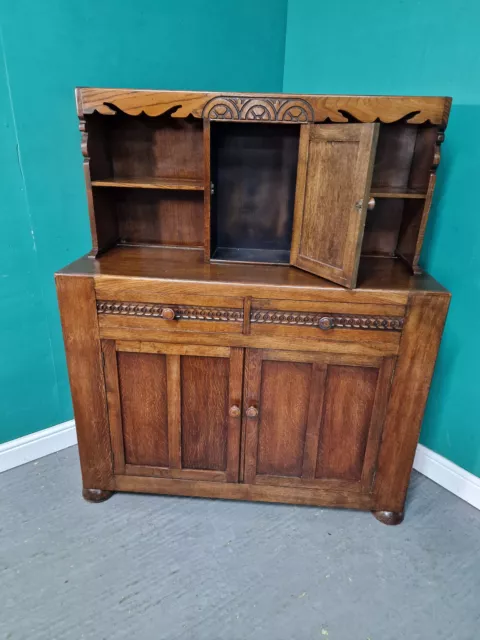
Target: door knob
168, 314
370, 204
325, 323
234, 411
252, 412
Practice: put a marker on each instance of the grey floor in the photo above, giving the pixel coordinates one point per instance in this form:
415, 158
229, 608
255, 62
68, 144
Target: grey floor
153, 567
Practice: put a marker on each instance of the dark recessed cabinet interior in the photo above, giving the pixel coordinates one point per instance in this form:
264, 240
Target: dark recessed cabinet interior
254, 170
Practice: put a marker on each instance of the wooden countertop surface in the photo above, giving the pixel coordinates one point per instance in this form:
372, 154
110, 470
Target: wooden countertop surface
186, 267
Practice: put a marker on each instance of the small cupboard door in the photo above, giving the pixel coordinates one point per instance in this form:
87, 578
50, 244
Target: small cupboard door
174, 410
313, 419
335, 164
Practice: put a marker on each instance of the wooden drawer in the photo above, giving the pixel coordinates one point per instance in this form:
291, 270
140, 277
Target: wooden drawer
360, 323
204, 314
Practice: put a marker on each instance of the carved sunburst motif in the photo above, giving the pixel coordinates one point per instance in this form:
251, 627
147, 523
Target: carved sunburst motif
261, 109
222, 112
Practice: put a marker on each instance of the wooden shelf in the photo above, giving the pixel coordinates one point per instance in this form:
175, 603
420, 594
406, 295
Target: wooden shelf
385, 192
183, 184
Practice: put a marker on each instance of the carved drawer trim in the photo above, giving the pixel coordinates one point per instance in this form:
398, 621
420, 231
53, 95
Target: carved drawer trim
327, 320
182, 312
258, 316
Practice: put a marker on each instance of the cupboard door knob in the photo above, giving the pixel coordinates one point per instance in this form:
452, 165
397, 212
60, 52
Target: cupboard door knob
234, 411
325, 323
252, 412
168, 314
370, 204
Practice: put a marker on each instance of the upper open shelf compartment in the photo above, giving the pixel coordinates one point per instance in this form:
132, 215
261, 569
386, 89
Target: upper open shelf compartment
146, 153
403, 161
147, 177
262, 178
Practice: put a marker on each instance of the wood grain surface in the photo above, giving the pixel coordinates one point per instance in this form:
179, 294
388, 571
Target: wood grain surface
417, 109
76, 298
333, 183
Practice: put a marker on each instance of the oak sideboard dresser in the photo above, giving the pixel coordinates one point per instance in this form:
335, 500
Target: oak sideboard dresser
252, 322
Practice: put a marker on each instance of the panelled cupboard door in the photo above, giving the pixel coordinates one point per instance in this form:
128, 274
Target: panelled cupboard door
313, 419
335, 164
174, 410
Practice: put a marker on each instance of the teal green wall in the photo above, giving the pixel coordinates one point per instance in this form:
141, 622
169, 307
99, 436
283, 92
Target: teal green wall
424, 48
47, 49
396, 47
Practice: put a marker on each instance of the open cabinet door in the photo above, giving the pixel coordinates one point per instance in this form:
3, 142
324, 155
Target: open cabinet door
335, 164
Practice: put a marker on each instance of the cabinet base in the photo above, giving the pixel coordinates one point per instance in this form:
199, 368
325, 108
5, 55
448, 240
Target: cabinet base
97, 495
389, 517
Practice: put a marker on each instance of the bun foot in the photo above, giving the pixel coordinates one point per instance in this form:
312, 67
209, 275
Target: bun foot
96, 495
389, 517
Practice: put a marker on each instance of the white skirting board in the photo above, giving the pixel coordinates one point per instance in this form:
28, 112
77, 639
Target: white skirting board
36, 445
42, 443
448, 475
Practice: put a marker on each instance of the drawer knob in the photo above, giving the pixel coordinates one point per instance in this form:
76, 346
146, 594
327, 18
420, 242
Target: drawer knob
234, 411
252, 412
168, 314
325, 323
371, 204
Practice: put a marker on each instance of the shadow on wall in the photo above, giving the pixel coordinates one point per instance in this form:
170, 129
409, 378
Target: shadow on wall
452, 255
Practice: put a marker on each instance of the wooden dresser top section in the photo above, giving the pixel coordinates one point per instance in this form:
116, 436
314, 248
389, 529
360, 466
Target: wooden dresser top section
266, 107
178, 271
